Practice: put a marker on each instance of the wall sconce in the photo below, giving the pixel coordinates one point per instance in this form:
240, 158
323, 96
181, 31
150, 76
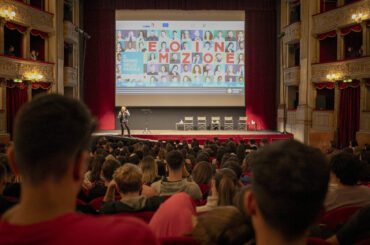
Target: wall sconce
7, 14
17, 80
331, 77
34, 77
357, 17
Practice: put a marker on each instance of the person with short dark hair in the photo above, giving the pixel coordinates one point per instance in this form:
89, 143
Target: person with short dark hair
51, 179
128, 181
344, 191
175, 182
290, 181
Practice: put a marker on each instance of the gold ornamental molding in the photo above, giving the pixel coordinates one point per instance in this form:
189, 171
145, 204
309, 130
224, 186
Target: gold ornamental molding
12, 68
365, 122
354, 69
69, 31
29, 16
339, 17
323, 120
70, 76
292, 33
292, 76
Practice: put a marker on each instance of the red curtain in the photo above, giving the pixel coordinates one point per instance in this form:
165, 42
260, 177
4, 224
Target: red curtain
41, 85
13, 26
260, 35
327, 85
328, 49
16, 96
349, 114
43, 35
348, 30
327, 34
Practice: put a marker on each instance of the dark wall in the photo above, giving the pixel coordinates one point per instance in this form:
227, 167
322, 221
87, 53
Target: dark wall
165, 118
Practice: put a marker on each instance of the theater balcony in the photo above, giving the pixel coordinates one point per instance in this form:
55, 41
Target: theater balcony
27, 15
292, 76
292, 33
357, 68
70, 76
18, 68
339, 17
70, 33
323, 120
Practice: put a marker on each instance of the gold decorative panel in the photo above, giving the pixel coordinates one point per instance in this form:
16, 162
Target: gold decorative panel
292, 76
70, 34
70, 76
292, 33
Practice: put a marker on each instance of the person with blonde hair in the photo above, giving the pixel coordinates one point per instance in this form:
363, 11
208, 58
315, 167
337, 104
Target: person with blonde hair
150, 170
128, 181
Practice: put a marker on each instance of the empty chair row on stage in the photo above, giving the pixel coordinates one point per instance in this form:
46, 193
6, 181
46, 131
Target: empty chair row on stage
214, 123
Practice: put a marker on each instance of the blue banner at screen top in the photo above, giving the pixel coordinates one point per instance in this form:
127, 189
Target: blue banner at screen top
133, 63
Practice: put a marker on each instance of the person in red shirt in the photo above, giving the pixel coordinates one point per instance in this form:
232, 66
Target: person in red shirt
51, 137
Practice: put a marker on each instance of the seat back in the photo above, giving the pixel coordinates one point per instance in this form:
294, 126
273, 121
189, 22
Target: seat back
316, 241
243, 119
215, 118
97, 202
339, 216
183, 240
188, 119
363, 242
228, 119
201, 119
145, 216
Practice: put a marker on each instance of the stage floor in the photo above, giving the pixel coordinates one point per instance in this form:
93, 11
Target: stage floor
200, 135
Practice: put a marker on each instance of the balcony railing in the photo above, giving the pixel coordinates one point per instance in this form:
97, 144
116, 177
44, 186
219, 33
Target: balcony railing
11, 68
292, 76
26, 15
292, 32
339, 17
353, 68
70, 34
323, 120
70, 76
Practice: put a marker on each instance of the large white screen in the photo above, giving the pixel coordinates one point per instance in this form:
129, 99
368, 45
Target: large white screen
180, 62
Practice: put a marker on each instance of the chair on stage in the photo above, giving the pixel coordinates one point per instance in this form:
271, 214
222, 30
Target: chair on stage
202, 123
216, 123
188, 123
242, 124
228, 123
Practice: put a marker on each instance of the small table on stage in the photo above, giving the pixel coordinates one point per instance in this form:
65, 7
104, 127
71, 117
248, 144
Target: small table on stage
180, 125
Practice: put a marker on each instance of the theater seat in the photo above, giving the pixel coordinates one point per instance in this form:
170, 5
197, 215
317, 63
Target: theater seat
317, 241
339, 216
145, 216
204, 188
364, 242
80, 202
97, 202
184, 240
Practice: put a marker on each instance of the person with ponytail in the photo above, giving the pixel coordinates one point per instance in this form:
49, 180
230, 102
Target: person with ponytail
224, 187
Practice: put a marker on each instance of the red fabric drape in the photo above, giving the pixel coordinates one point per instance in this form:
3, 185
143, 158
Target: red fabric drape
354, 84
328, 49
326, 35
43, 35
347, 30
38, 44
260, 35
16, 96
13, 26
349, 115
327, 85
41, 85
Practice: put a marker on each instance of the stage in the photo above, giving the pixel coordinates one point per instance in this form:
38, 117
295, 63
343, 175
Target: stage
200, 135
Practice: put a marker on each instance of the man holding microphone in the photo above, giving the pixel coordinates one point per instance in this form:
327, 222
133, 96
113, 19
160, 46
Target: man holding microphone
123, 116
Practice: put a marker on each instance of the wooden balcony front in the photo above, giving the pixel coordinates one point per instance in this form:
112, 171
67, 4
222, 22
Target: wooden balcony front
70, 76
323, 120
292, 33
69, 32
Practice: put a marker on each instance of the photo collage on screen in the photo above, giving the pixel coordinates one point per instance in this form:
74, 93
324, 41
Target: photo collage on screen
180, 58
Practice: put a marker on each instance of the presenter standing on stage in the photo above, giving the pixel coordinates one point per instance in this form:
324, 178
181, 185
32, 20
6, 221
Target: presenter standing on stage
123, 116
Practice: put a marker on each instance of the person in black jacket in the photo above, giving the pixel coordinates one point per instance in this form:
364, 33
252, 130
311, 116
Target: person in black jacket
128, 181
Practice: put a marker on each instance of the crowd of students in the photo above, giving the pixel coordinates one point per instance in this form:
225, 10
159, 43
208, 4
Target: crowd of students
218, 193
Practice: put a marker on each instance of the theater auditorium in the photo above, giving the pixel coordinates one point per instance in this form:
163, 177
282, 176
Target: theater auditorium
185, 122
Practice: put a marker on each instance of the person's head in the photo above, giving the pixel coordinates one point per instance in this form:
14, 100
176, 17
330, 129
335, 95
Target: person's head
62, 128
234, 165
163, 68
353, 143
175, 68
141, 45
174, 56
123, 108
289, 179
186, 68
152, 34
226, 183
153, 79
219, 34
11, 48
218, 68
149, 168
349, 49
196, 33
141, 34
241, 45
186, 79
108, 168
218, 57
222, 225
134, 159
152, 56
163, 45
202, 173
129, 45
175, 160
128, 178
230, 34
163, 34
230, 46
185, 45
174, 34
346, 168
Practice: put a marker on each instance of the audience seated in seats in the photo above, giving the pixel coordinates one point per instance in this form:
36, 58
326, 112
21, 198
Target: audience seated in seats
175, 182
344, 191
5, 204
51, 179
150, 170
224, 187
174, 217
202, 175
290, 181
223, 225
128, 182
354, 230
247, 168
